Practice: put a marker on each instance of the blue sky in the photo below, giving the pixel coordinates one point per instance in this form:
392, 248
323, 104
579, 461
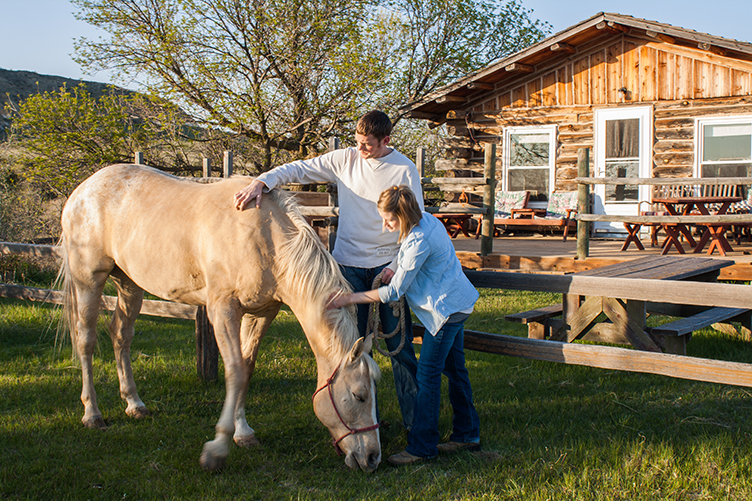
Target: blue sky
38, 35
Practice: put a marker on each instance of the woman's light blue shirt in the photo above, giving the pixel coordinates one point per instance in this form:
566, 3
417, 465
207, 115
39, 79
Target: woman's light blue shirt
430, 276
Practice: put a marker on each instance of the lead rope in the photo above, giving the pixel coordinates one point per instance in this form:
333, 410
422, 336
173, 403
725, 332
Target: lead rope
398, 310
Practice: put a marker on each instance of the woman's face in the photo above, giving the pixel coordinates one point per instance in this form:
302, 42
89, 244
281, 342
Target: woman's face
391, 221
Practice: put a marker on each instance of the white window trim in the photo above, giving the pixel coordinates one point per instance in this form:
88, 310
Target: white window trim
533, 129
699, 134
600, 115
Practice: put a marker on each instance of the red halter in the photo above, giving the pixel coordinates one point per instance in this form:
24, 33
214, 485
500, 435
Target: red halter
351, 431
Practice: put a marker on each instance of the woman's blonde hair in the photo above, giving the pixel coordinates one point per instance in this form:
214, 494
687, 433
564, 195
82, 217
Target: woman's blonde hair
400, 201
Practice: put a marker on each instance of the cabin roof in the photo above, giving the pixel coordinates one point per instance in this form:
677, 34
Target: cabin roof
563, 44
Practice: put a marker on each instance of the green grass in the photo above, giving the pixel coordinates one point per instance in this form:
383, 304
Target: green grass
549, 431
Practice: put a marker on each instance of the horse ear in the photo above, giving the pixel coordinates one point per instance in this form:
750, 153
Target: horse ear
368, 343
357, 350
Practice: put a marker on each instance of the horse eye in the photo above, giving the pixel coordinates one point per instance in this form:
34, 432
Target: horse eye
359, 398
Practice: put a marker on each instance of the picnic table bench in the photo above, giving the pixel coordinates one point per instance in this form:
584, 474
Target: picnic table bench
627, 317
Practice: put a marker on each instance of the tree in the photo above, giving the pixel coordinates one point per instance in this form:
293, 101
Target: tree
288, 74
68, 135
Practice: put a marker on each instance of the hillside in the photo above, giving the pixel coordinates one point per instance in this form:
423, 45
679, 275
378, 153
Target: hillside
18, 85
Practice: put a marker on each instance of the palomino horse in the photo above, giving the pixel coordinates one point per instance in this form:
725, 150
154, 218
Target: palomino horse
185, 242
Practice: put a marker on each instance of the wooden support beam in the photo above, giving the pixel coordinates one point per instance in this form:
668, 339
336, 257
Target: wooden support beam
451, 99
480, 86
660, 36
608, 357
711, 48
456, 114
563, 47
612, 26
520, 68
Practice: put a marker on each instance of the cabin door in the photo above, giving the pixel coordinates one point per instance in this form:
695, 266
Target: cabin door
622, 150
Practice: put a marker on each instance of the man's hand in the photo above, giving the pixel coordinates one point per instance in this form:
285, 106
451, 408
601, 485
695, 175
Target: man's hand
386, 276
244, 196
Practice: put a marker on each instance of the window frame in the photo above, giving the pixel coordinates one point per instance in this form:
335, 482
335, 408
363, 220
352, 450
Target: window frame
700, 123
552, 131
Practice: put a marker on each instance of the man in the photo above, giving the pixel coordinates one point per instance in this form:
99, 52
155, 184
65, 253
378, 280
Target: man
363, 249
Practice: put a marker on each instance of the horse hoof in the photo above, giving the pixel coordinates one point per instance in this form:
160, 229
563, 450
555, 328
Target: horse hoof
247, 441
95, 423
210, 462
138, 413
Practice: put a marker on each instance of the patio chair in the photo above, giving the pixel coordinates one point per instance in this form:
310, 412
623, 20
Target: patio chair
506, 203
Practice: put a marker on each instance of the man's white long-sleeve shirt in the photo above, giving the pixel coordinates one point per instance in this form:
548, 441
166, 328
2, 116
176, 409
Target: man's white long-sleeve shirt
361, 240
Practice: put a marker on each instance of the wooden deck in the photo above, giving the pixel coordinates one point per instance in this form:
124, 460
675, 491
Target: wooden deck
548, 254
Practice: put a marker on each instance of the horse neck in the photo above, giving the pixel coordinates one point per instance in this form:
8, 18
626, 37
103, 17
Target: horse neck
319, 338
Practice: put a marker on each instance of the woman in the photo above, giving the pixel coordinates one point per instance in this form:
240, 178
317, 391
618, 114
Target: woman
430, 277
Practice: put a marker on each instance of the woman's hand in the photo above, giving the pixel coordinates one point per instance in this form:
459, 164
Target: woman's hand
337, 300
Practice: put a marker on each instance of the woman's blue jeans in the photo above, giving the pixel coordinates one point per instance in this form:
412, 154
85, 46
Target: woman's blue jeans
442, 353
404, 364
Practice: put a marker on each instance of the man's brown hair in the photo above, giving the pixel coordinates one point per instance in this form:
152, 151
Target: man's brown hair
376, 123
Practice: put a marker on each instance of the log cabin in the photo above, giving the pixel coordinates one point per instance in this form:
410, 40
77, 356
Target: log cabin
649, 99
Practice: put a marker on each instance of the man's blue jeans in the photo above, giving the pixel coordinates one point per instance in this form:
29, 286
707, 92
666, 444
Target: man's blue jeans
404, 364
442, 353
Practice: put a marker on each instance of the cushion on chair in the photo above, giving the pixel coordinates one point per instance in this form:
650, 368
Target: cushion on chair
743, 207
508, 200
559, 203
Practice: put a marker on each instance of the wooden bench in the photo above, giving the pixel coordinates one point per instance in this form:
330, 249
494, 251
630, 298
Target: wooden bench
674, 334
538, 320
559, 215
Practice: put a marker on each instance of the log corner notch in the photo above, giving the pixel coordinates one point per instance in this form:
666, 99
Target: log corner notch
564, 48
519, 68
612, 26
660, 36
718, 51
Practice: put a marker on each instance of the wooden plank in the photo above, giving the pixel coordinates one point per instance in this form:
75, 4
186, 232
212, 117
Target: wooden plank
608, 357
581, 81
674, 181
535, 315
598, 77
660, 291
723, 218
548, 90
647, 74
35, 250
149, 307
614, 73
698, 321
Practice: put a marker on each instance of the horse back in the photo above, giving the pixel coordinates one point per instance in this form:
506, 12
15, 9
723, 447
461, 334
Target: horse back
180, 240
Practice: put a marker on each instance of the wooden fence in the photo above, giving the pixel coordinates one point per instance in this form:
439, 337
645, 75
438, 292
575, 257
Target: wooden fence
605, 357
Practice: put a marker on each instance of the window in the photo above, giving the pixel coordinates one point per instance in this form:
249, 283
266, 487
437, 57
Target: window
724, 147
622, 158
529, 161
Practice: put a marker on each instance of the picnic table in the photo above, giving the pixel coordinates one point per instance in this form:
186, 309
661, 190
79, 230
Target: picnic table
455, 223
579, 314
683, 206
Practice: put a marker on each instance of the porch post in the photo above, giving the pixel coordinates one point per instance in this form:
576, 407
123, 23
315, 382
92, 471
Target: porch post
583, 203
489, 191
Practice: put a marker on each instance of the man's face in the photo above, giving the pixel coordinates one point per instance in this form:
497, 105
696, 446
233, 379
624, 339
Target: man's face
370, 147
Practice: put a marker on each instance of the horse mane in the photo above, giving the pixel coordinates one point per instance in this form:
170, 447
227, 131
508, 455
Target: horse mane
311, 273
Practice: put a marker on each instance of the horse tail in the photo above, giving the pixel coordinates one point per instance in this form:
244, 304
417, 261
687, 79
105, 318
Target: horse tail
64, 283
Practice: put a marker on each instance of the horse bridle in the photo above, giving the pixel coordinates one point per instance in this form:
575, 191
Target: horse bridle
351, 431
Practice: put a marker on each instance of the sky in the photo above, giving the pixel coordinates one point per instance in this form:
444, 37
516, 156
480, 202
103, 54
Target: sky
38, 35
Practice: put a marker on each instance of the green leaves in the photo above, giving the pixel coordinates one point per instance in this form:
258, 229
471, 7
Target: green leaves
287, 74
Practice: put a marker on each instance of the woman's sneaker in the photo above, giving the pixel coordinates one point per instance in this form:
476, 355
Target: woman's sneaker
458, 446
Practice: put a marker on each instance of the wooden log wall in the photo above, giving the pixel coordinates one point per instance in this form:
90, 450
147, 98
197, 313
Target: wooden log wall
682, 83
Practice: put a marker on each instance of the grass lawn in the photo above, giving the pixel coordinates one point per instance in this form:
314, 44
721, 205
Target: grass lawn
549, 431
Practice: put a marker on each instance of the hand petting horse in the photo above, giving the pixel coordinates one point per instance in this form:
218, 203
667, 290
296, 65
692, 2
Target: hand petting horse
184, 242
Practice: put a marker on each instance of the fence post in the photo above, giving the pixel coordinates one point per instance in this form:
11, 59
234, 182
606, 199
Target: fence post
138, 158
489, 193
227, 165
207, 353
331, 189
583, 203
207, 167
